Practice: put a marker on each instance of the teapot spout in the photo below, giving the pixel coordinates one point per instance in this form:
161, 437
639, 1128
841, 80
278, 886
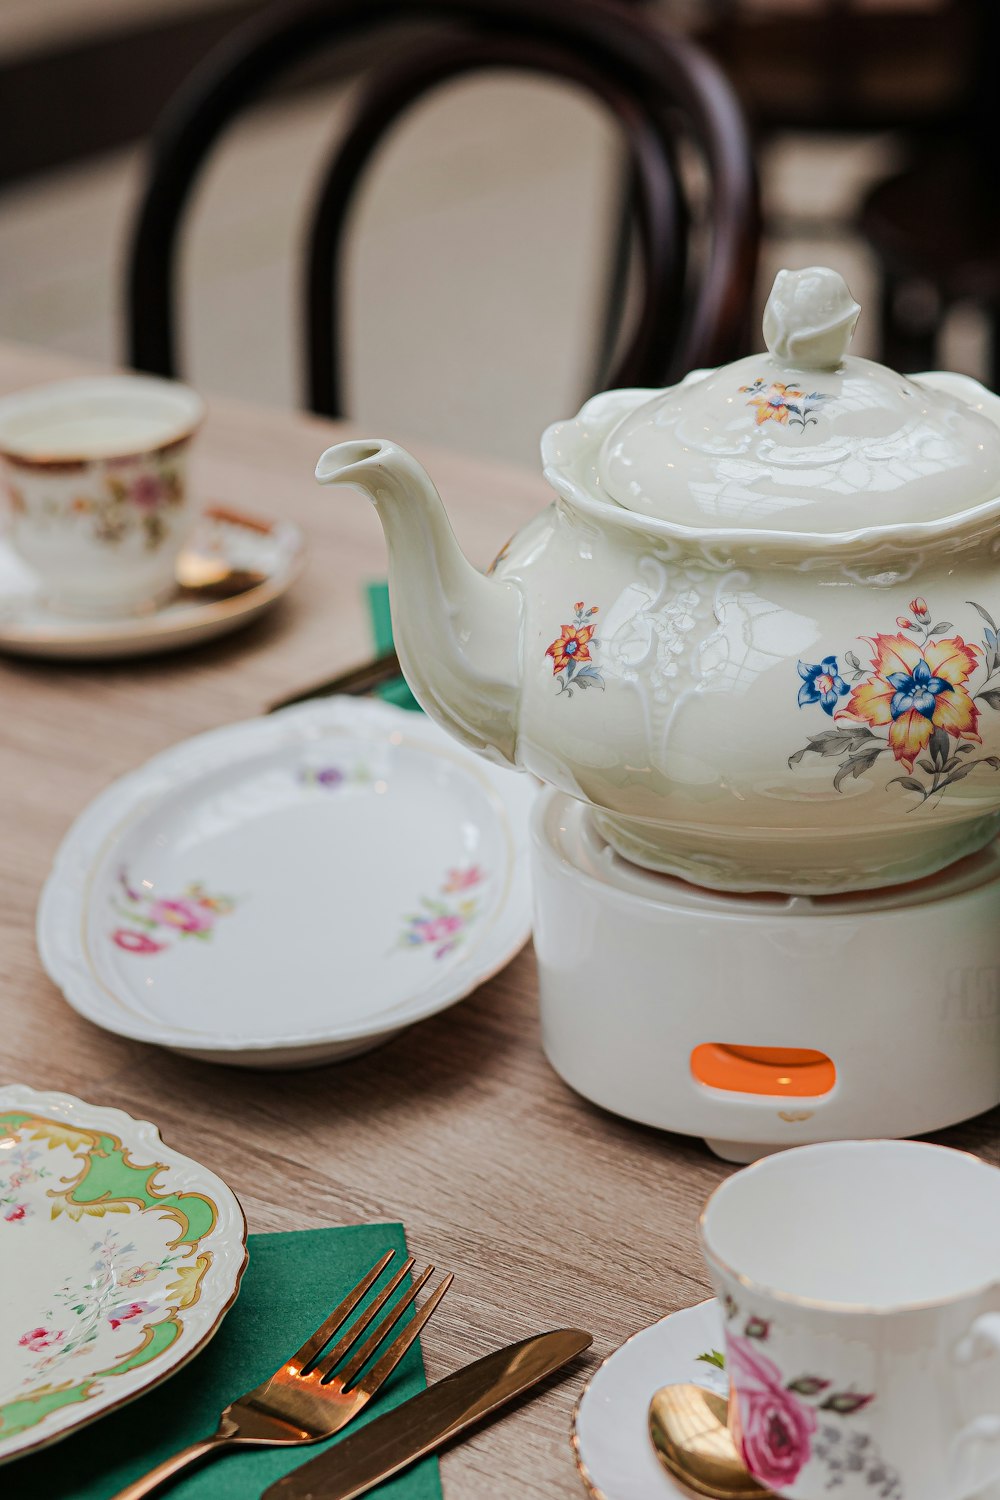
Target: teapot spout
457, 632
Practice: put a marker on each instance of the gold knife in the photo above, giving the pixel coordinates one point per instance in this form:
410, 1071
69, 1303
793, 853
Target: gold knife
356, 682
397, 1439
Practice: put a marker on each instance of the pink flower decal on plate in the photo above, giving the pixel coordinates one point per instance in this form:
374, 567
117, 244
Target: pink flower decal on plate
19, 1169
127, 1313
136, 942
329, 778
190, 915
38, 1339
442, 924
187, 916
136, 1275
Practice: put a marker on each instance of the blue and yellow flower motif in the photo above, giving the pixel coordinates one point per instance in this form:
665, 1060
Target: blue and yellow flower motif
822, 684
920, 698
916, 690
784, 404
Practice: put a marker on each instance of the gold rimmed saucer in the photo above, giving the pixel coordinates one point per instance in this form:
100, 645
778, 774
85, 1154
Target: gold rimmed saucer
234, 567
614, 1455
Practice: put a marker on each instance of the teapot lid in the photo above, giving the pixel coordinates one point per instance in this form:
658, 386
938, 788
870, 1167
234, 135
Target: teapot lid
806, 437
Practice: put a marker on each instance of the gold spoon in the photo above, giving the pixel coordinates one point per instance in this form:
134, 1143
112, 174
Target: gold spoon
693, 1443
207, 577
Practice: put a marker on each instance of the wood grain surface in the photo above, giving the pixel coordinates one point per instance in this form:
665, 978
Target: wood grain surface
548, 1210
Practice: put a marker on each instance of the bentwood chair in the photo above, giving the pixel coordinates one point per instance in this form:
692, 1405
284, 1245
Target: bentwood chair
923, 70
696, 246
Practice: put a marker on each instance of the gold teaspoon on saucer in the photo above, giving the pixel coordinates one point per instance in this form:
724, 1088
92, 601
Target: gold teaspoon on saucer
693, 1443
209, 575
206, 577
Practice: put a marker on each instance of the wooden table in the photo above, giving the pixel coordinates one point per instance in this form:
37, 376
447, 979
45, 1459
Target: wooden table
548, 1210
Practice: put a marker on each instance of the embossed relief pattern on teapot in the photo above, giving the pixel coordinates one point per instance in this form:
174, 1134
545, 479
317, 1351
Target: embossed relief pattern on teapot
702, 640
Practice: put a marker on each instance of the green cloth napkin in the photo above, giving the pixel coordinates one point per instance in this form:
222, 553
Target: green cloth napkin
378, 608
291, 1283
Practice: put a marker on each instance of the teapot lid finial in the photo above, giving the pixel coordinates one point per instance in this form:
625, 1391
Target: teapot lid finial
807, 439
809, 318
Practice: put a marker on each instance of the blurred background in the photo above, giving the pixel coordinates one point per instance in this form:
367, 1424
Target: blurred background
488, 229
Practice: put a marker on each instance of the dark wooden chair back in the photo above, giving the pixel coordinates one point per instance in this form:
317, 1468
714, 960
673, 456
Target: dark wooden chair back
659, 89
845, 65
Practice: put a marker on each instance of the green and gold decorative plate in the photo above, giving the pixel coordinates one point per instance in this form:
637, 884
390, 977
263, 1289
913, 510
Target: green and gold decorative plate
119, 1258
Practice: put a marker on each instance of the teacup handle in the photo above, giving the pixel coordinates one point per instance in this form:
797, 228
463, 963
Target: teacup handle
981, 1342
982, 1339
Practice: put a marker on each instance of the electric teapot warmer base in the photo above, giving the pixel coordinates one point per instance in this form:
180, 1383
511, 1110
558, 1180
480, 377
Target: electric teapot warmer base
764, 1021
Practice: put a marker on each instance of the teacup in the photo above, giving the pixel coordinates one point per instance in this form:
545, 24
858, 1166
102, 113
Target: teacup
860, 1287
95, 473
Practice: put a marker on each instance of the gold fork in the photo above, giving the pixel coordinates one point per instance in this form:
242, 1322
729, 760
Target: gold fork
308, 1398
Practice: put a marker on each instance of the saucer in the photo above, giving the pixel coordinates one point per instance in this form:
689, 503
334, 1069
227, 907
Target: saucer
292, 889
270, 553
119, 1259
614, 1454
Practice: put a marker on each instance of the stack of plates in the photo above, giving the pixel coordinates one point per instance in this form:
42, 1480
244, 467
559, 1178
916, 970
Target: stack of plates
292, 889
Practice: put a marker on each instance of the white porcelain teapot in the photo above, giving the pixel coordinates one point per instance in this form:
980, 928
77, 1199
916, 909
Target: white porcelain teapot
756, 630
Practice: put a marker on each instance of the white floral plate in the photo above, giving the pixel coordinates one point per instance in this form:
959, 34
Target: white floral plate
271, 552
291, 889
614, 1455
120, 1258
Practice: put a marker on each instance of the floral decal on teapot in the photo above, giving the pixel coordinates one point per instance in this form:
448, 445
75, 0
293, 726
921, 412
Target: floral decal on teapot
783, 1424
572, 661
784, 404
919, 699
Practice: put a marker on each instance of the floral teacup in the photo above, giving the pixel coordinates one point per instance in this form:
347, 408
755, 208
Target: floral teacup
860, 1287
95, 477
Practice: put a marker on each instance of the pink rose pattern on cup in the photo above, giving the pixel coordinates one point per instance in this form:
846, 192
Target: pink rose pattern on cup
152, 921
776, 1426
783, 1425
442, 923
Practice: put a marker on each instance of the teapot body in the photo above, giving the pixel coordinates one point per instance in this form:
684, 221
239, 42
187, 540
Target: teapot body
757, 629
759, 721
